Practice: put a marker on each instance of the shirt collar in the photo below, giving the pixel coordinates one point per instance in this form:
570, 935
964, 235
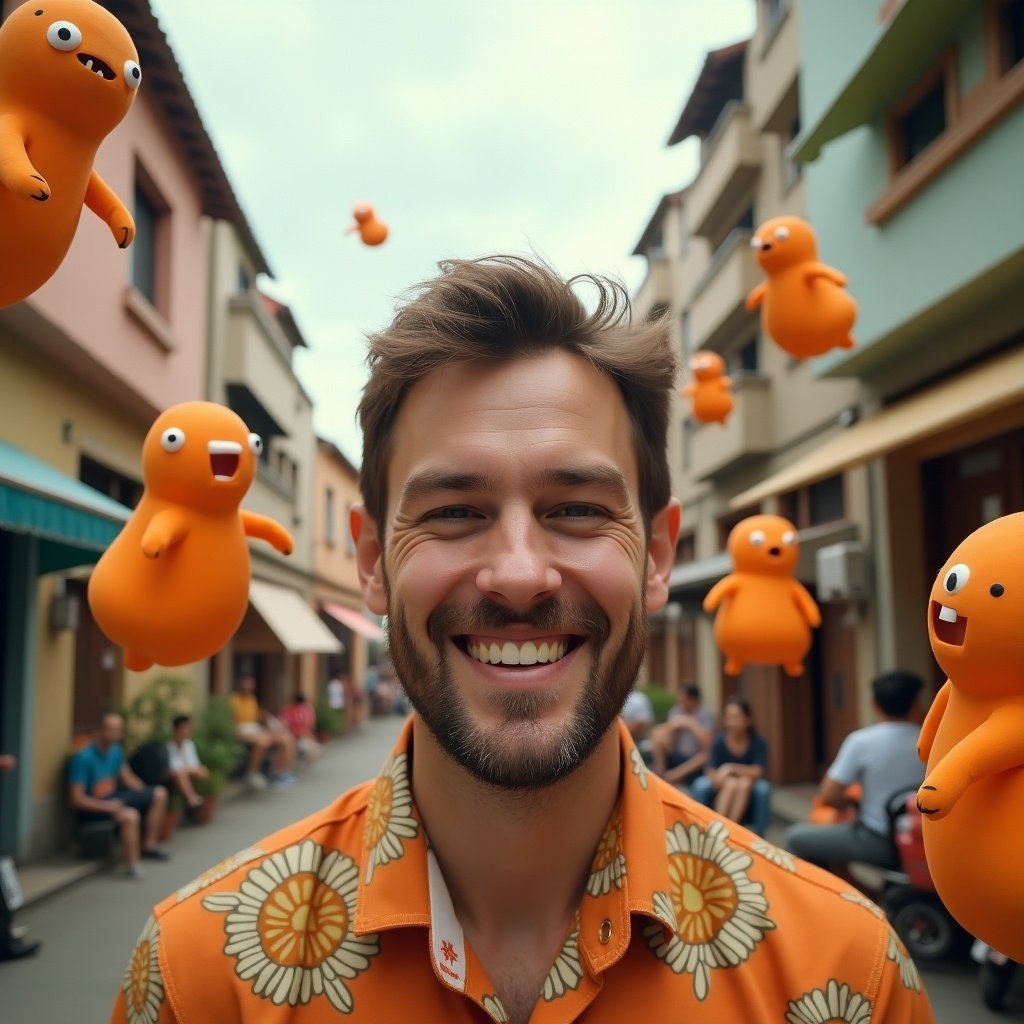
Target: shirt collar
398, 886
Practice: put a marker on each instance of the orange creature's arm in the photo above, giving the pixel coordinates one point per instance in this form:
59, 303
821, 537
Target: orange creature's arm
689, 391
756, 297
930, 725
721, 591
16, 170
994, 746
167, 527
805, 605
103, 201
265, 528
816, 270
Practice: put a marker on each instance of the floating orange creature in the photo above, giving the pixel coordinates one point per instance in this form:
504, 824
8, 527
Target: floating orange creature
174, 585
972, 739
766, 616
69, 73
711, 389
804, 308
371, 230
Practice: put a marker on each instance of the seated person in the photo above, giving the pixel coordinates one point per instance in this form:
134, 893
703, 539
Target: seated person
733, 781
299, 719
184, 766
101, 786
883, 759
679, 748
261, 733
638, 714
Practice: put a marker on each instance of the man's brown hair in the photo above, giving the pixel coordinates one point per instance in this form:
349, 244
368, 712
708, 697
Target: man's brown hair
508, 307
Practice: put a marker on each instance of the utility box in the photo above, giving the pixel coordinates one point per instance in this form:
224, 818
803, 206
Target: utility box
64, 612
842, 572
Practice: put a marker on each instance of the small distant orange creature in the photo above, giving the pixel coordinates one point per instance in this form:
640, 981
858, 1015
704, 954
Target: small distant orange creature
711, 389
766, 615
972, 739
174, 585
371, 230
69, 73
804, 308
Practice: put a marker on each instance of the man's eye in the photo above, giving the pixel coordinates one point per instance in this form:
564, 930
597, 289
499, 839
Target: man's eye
579, 511
451, 512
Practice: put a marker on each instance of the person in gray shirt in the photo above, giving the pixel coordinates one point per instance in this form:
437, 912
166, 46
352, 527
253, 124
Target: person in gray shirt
883, 759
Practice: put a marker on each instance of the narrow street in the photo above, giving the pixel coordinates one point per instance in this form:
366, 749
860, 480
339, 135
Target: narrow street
89, 929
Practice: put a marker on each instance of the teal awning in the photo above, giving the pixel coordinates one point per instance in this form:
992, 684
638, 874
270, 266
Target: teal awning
905, 48
74, 522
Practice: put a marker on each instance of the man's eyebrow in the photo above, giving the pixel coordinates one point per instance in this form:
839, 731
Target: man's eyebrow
431, 481
606, 477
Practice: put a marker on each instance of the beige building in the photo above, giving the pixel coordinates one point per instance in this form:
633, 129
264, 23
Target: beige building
744, 109
336, 580
252, 341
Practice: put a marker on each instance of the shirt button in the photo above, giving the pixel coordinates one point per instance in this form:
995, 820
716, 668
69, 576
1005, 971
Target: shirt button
605, 933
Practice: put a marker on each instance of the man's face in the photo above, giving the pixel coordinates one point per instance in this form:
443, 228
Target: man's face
111, 729
515, 562
182, 732
247, 685
690, 704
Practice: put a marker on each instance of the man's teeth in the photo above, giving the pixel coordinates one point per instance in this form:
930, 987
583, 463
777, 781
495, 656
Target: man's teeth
509, 653
947, 614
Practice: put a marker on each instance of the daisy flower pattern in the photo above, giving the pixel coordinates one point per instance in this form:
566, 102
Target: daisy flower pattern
289, 926
836, 1004
389, 817
609, 865
492, 1004
143, 986
781, 858
566, 972
863, 901
219, 871
639, 768
897, 953
719, 914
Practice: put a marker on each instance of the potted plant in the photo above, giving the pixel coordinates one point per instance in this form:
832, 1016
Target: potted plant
172, 816
328, 721
218, 749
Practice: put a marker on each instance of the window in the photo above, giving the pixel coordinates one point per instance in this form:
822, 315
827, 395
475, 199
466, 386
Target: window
686, 334
924, 122
791, 170
686, 549
1010, 29
822, 502
109, 482
727, 522
744, 361
244, 280
144, 248
346, 529
329, 517
773, 12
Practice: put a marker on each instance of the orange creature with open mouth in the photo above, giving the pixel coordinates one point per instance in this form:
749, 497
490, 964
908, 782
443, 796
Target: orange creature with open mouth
711, 390
174, 585
371, 230
69, 73
973, 736
804, 307
766, 615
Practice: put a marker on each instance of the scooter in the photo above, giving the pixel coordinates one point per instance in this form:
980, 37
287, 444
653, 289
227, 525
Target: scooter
995, 976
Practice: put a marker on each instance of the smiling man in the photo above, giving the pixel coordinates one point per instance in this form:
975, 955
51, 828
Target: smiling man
515, 861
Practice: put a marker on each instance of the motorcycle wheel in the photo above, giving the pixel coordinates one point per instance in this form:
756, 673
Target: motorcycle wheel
995, 983
923, 923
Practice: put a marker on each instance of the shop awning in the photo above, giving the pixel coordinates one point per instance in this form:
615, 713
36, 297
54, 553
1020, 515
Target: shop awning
355, 621
291, 620
74, 522
983, 389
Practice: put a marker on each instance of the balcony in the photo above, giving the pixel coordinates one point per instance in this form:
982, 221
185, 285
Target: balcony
746, 434
731, 164
656, 291
253, 361
717, 315
773, 76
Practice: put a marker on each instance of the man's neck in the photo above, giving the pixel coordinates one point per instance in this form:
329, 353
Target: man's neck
514, 860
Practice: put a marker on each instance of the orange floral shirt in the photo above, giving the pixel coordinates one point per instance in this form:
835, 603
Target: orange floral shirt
685, 916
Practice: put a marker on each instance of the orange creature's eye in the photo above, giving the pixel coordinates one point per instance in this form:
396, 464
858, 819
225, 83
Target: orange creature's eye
996, 590
255, 444
132, 75
758, 537
782, 232
172, 439
63, 35
956, 578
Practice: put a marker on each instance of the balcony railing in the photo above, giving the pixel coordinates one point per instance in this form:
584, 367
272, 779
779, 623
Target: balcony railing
747, 433
717, 315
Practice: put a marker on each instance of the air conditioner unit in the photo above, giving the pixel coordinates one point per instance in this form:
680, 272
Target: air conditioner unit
64, 612
842, 572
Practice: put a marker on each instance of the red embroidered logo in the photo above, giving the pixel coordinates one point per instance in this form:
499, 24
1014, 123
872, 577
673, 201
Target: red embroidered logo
448, 951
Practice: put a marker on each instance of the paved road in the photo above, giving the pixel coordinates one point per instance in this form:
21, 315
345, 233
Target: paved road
89, 929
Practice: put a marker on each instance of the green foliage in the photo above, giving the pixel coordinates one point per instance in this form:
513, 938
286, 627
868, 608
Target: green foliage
150, 713
217, 746
328, 719
661, 700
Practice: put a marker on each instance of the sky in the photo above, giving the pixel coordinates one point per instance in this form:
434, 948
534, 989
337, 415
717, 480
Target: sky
472, 126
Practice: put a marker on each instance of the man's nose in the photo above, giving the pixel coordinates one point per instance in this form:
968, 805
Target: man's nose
518, 569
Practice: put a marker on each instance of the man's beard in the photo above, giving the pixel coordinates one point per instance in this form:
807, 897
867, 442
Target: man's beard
521, 752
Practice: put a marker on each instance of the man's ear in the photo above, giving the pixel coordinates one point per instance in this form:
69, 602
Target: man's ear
661, 554
369, 559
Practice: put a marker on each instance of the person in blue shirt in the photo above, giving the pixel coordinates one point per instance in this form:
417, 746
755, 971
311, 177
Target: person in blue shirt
734, 780
101, 785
